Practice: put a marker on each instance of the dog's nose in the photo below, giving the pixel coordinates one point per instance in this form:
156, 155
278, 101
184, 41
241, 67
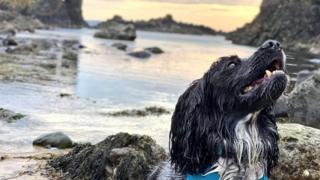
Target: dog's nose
271, 44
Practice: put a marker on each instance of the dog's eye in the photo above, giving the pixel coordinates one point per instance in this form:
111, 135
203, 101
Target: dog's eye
231, 65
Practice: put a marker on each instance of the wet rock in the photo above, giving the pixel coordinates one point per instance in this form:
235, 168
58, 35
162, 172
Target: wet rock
9, 42
57, 140
120, 156
120, 46
154, 50
117, 31
22, 49
299, 153
304, 102
71, 55
148, 111
278, 20
140, 54
10, 116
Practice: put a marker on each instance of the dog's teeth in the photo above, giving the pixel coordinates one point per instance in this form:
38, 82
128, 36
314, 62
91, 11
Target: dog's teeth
277, 72
247, 89
268, 73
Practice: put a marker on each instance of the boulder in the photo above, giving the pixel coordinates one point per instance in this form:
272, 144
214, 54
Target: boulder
10, 116
299, 153
9, 42
57, 140
140, 54
120, 46
154, 50
304, 102
117, 31
120, 156
303, 75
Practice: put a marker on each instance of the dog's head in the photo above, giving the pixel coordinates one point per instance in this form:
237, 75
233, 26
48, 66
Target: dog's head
247, 85
210, 108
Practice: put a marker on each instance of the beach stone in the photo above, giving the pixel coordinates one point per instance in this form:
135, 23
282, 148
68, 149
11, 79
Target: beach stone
57, 140
120, 156
154, 50
120, 46
140, 54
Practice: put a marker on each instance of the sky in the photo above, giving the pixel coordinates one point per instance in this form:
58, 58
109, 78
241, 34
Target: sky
224, 15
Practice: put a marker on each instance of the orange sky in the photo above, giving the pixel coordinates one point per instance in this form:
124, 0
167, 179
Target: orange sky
219, 14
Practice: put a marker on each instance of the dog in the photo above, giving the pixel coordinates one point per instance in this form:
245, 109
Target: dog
224, 124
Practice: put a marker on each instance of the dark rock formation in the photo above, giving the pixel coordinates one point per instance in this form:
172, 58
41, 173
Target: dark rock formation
299, 153
140, 54
120, 156
294, 23
67, 13
57, 139
60, 13
165, 24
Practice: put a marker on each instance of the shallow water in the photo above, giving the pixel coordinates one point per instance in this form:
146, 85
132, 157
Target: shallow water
108, 80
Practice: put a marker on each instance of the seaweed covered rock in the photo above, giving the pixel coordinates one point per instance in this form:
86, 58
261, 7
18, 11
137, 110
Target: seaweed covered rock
9, 116
299, 153
120, 156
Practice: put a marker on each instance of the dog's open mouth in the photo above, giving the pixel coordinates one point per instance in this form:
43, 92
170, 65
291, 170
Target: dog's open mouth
274, 68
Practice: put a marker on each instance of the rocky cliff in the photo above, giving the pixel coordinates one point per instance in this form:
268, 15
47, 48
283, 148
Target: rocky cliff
295, 23
165, 24
60, 13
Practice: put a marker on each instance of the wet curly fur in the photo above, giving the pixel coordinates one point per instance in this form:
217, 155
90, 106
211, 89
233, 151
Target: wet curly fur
217, 126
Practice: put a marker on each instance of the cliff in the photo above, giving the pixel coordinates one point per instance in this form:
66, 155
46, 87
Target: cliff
57, 13
294, 23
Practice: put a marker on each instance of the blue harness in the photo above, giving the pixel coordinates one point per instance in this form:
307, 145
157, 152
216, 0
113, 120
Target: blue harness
212, 176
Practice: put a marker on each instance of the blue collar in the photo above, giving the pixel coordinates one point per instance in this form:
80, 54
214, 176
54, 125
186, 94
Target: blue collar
212, 176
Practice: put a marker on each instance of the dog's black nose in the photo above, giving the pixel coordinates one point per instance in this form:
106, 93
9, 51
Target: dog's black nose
271, 44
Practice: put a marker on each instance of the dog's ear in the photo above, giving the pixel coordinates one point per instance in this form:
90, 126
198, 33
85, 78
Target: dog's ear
193, 141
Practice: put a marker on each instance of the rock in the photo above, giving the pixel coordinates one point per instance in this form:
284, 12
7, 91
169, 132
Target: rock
165, 24
117, 31
140, 54
120, 46
120, 156
278, 20
148, 111
57, 140
22, 49
10, 116
299, 153
281, 107
70, 55
303, 75
61, 13
154, 50
11, 22
304, 102
9, 42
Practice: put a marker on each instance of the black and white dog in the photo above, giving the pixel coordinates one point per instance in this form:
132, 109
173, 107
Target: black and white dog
224, 122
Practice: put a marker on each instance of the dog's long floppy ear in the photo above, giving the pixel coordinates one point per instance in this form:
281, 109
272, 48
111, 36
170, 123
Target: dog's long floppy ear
194, 138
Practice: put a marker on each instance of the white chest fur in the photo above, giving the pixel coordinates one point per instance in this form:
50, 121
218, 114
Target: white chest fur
247, 140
